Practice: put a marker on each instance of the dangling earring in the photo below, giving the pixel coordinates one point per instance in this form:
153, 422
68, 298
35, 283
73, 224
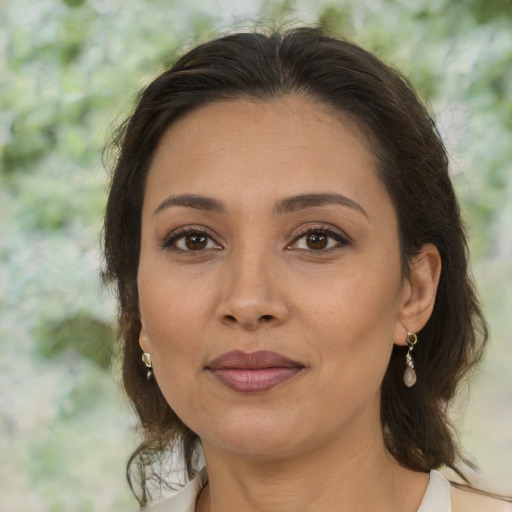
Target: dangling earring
410, 374
146, 359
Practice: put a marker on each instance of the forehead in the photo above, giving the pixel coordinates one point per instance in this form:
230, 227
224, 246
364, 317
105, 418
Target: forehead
241, 149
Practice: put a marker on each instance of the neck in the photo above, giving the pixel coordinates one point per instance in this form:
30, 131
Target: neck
350, 473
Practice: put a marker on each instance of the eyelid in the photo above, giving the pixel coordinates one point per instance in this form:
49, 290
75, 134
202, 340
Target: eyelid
329, 230
168, 242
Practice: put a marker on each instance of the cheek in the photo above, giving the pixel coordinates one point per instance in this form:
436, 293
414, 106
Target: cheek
352, 321
360, 301
174, 313
172, 298
174, 322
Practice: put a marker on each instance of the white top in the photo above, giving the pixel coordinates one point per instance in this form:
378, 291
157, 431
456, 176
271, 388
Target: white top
436, 499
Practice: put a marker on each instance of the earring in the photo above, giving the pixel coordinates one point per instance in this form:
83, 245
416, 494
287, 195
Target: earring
410, 374
146, 359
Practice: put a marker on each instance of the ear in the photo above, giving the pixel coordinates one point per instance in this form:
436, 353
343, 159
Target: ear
418, 293
143, 337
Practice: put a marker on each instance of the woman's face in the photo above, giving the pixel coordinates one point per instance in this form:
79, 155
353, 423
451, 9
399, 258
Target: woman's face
270, 283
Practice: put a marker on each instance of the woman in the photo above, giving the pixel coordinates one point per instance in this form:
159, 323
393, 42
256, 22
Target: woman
292, 276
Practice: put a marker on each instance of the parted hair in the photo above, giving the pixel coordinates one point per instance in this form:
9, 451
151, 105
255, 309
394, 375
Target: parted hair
412, 164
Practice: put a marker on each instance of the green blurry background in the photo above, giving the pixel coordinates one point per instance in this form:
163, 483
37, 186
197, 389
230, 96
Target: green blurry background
69, 70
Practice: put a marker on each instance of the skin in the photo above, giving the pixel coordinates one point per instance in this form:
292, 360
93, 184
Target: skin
313, 443
466, 501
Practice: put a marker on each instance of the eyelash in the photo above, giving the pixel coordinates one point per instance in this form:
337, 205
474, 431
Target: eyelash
180, 233
340, 238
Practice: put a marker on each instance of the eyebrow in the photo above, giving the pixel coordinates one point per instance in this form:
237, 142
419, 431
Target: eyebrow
303, 201
191, 201
286, 205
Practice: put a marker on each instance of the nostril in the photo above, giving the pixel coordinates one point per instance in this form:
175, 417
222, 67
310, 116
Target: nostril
267, 318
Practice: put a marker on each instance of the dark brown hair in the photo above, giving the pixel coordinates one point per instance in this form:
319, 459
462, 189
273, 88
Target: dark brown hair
412, 165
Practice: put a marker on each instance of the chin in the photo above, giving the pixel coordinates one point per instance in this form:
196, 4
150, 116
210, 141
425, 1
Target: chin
258, 447
256, 438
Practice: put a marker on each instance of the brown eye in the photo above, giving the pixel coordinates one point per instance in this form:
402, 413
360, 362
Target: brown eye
317, 241
190, 240
196, 242
321, 240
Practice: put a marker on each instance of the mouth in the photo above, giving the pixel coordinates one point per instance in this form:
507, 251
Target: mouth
256, 372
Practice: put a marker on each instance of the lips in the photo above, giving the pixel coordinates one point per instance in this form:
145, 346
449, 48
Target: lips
255, 372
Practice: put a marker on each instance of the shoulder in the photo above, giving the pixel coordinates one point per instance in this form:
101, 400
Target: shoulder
468, 500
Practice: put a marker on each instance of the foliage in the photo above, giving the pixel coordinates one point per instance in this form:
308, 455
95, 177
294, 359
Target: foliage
67, 70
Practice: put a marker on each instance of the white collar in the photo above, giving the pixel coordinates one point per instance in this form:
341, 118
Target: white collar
436, 498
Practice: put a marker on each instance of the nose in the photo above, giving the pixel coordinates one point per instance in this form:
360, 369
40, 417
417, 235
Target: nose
251, 294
